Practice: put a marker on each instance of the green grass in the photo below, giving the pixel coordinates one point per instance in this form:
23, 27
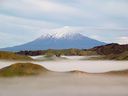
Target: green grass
115, 57
69, 52
22, 69
48, 55
11, 56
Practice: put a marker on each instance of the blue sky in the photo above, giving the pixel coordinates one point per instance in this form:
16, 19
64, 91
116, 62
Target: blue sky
22, 21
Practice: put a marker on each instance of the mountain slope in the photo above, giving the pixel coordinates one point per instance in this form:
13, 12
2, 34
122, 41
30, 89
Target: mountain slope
112, 48
58, 40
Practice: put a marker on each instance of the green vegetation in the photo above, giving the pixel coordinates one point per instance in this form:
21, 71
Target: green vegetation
115, 57
97, 57
48, 55
22, 69
11, 56
70, 52
112, 51
50, 52
125, 52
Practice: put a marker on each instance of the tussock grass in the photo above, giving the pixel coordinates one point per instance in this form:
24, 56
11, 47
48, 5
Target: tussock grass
22, 69
11, 56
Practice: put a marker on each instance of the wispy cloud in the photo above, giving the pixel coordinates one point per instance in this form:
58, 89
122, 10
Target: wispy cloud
17, 25
104, 20
89, 13
8, 40
15, 30
123, 40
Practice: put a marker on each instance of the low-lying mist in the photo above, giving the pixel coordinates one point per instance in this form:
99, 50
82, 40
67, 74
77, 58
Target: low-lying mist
65, 84
70, 63
61, 82
86, 66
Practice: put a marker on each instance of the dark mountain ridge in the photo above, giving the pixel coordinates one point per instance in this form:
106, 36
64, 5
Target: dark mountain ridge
112, 48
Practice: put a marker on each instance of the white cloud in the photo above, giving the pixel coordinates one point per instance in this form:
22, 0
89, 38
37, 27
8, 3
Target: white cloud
90, 13
3, 35
39, 9
113, 7
106, 19
15, 25
8, 40
50, 6
110, 25
123, 40
15, 31
29, 22
95, 37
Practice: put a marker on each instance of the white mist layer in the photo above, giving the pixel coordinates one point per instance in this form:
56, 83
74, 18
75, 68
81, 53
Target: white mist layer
74, 63
65, 84
86, 66
59, 83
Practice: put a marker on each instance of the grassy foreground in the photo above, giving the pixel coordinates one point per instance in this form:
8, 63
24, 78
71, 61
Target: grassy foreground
22, 69
30, 69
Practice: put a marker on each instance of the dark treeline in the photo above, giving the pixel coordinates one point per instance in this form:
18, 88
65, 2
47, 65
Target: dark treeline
30, 53
70, 52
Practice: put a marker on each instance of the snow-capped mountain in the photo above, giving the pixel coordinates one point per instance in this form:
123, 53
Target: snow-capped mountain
63, 35
58, 40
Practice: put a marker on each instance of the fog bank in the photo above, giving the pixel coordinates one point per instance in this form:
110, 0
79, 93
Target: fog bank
86, 66
62, 83
95, 66
65, 84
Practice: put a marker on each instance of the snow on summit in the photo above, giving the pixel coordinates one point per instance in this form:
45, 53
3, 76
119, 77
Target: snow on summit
63, 35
